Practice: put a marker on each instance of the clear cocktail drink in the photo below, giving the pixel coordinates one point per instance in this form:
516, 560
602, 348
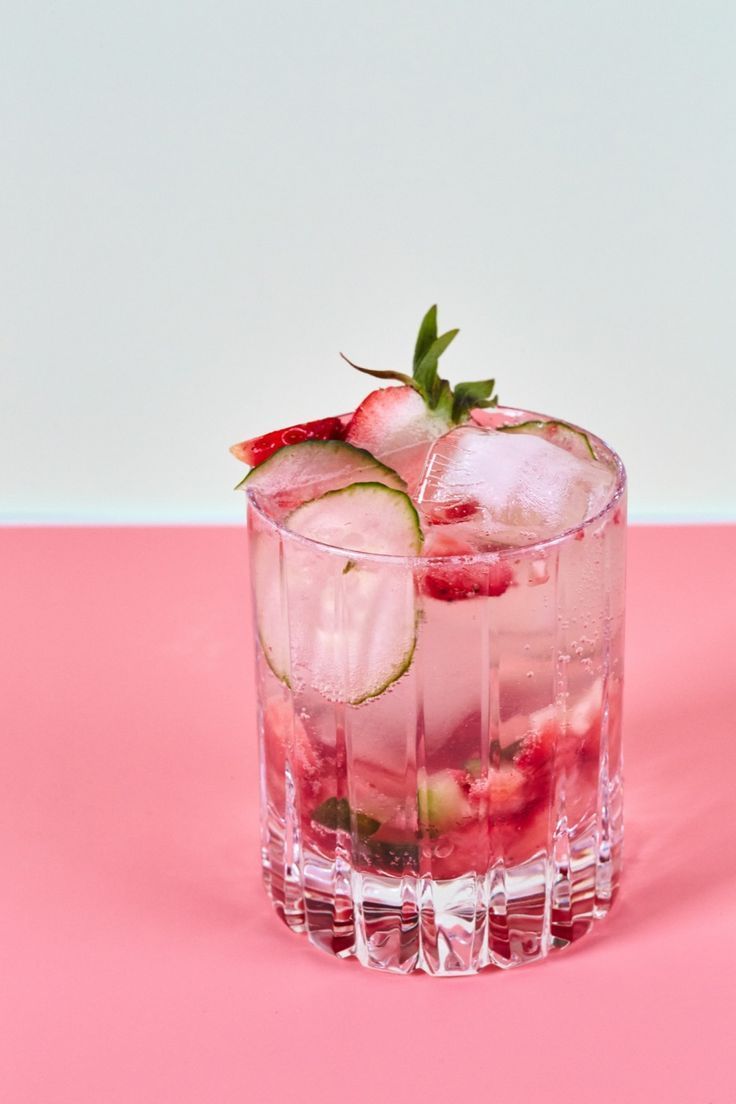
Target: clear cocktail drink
441, 731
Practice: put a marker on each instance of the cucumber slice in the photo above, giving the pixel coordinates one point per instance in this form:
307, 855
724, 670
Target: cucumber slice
364, 517
336, 813
441, 802
298, 473
349, 634
557, 433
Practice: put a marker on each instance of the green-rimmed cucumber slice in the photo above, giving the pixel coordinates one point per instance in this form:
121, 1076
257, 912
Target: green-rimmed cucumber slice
364, 517
305, 471
557, 433
347, 634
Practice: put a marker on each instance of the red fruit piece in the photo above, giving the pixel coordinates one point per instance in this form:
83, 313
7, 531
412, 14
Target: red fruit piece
537, 749
391, 418
258, 449
396, 426
455, 582
506, 791
447, 513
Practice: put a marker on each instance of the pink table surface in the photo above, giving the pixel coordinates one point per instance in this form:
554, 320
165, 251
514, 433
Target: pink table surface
140, 959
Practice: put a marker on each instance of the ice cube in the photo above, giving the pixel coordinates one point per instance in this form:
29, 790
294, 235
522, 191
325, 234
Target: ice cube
513, 489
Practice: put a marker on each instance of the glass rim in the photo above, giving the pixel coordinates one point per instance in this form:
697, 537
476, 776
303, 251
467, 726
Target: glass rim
537, 548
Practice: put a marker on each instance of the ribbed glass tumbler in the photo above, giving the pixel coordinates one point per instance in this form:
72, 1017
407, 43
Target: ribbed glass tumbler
441, 779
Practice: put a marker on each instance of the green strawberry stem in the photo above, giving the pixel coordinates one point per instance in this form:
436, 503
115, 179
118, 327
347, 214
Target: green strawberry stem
454, 403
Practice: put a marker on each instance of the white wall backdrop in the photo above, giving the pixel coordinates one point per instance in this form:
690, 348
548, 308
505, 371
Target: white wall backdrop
202, 203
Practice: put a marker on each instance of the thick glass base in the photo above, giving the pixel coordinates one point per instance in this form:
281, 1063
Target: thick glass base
506, 917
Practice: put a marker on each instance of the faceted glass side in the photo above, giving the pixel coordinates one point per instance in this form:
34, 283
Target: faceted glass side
470, 814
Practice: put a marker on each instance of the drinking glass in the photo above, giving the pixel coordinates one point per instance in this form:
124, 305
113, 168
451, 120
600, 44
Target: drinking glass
441, 776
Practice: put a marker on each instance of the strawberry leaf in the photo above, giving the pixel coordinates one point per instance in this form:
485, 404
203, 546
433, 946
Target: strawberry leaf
387, 373
466, 396
425, 372
426, 336
455, 405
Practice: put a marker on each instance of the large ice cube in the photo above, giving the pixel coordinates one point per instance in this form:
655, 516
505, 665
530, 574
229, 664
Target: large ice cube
510, 488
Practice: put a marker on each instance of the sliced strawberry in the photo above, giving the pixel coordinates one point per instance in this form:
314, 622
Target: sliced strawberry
455, 581
258, 449
398, 424
395, 424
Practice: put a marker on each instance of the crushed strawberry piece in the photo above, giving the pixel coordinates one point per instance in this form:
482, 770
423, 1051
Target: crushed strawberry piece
506, 791
454, 582
537, 749
446, 513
